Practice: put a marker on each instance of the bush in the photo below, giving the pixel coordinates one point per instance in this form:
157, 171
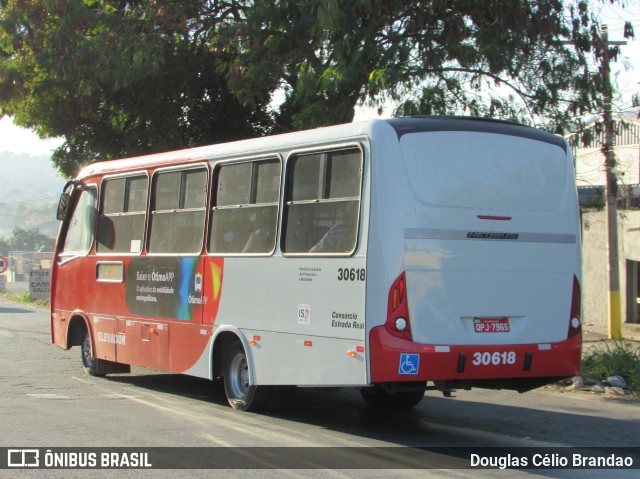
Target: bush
24, 297
615, 359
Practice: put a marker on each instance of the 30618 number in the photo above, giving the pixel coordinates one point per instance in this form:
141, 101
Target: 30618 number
495, 359
351, 274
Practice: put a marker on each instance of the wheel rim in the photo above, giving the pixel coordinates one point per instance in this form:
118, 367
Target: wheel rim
239, 376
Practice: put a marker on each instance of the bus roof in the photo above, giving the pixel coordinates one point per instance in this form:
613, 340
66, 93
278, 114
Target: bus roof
241, 148
265, 145
418, 124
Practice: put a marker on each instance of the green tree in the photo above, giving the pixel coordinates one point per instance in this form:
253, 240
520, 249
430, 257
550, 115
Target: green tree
117, 77
30, 240
512, 59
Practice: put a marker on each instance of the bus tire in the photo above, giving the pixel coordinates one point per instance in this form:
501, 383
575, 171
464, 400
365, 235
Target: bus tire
240, 394
89, 362
380, 398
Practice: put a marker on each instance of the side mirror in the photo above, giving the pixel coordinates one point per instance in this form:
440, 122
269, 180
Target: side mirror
63, 207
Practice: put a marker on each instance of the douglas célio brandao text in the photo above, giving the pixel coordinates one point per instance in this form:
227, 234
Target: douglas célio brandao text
551, 460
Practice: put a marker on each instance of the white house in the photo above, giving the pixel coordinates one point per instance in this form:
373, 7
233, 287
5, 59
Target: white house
591, 179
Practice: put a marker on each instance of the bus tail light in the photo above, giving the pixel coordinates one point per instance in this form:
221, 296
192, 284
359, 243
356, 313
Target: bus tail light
575, 320
398, 323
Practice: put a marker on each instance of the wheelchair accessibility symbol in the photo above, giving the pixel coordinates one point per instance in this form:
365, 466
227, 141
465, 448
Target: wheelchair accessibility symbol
409, 363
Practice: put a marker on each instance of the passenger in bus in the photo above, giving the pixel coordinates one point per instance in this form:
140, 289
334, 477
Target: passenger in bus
340, 237
262, 238
334, 240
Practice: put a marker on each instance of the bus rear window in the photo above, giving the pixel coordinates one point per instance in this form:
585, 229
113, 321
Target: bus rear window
482, 171
323, 202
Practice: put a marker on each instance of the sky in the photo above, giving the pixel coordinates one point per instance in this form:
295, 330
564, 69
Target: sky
626, 71
21, 140
625, 75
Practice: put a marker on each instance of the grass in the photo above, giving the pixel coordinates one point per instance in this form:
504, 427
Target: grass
24, 298
617, 358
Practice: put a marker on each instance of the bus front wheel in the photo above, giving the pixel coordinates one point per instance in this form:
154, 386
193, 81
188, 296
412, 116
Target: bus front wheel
89, 362
240, 394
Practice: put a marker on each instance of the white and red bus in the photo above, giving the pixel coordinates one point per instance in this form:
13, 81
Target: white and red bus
387, 255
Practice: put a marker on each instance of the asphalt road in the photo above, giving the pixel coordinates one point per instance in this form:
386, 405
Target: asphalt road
47, 401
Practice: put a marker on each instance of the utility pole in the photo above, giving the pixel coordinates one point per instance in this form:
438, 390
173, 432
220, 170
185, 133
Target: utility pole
615, 311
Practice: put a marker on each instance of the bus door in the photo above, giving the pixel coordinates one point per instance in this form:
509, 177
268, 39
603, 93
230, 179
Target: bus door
164, 287
71, 289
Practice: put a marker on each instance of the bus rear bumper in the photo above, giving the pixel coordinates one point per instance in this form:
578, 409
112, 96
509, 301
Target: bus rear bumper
394, 359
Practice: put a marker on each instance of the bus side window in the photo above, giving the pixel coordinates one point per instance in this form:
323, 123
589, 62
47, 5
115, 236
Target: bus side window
81, 226
178, 207
122, 215
323, 202
244, 217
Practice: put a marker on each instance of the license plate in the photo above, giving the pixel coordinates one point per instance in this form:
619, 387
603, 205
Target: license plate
491, 325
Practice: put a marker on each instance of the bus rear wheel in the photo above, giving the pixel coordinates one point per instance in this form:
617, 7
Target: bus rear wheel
389, 400
240, 394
